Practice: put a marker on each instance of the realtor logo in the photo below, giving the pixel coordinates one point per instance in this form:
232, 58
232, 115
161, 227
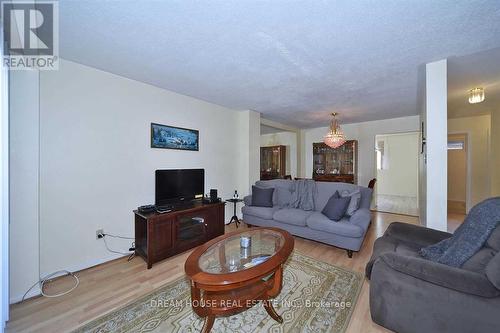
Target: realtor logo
31, 34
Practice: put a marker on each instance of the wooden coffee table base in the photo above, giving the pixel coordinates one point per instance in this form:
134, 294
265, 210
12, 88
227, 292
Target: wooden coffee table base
233, 300
222, 292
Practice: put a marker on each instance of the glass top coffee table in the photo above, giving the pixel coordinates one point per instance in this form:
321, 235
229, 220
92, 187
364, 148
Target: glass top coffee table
235, 271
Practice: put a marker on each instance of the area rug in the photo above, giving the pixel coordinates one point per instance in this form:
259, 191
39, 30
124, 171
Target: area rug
316, 297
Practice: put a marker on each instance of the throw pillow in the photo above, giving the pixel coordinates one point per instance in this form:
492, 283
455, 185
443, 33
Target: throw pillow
354, 203
336, 207
283, 197
262, 197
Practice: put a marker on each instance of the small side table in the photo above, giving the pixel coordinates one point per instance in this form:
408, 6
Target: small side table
235, 217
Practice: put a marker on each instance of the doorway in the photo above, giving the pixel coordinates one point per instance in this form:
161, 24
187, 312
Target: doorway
396, 189
457, 173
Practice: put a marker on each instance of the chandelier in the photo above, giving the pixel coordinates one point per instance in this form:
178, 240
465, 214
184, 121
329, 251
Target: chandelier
476, 95
335, 137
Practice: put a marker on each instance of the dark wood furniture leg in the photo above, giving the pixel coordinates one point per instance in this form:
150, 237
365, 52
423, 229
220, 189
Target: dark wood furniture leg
235, 217
349, 253
268, 305
207, 325
236, 220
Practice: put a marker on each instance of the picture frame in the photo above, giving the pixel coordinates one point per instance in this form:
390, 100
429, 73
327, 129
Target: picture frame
172, 137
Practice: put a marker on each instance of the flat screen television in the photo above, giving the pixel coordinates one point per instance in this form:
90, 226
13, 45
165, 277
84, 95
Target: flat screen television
179, 185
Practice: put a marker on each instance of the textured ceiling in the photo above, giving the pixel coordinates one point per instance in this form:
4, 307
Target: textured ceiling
293, 61
473, 71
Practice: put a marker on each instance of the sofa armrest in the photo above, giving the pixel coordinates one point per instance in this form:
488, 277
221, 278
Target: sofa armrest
458, 279
415, 234
247, 200
361, 218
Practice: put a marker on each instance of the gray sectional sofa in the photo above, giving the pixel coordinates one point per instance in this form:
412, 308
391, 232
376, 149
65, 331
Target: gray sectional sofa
347, 233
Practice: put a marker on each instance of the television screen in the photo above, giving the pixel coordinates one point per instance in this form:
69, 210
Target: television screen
178, 185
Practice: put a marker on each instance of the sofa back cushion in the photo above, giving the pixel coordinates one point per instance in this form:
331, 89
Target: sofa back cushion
281, 183
493, 267
283, 190
494, 240
326, 189
493, 270
479, 261
487, 260
282, 197
354, 203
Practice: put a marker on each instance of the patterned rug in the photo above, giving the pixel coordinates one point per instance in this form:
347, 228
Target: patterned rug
316, 297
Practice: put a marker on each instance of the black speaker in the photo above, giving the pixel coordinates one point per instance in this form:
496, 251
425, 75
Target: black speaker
213, 195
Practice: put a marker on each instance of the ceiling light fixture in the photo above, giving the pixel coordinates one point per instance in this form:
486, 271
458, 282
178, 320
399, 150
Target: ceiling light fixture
476, 95
335, 137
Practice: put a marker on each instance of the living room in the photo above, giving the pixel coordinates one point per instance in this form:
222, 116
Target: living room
85, 144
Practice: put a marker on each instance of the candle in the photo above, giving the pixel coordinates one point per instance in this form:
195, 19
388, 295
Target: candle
245, 241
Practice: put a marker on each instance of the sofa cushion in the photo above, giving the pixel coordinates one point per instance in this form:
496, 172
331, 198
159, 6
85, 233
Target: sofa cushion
262, 197
354, 203
479, 261
324, 191
274, 183
494, 239
282, 184
282, 197
320, 222
336, 207
265, 213
292, 216
493, 270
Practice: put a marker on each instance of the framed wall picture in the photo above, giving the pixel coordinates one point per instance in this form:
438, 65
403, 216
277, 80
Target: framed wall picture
170, 137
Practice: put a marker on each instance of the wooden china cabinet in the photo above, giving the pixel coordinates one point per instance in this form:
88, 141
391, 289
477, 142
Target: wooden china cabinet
336, 164
272, 162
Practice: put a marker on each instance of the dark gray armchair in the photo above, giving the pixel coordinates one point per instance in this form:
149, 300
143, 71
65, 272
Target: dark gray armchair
409, 294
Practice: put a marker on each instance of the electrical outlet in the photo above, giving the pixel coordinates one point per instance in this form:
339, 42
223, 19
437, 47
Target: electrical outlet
99, 233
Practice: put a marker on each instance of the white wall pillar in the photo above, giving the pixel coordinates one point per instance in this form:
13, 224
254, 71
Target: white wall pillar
249, 141
4, 193
24, 182
435, 118
254, 147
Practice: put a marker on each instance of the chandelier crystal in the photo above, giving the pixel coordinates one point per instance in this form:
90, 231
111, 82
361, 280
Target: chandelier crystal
476, 95
335, 137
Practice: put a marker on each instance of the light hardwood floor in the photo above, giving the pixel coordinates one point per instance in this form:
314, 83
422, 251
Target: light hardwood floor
112, 285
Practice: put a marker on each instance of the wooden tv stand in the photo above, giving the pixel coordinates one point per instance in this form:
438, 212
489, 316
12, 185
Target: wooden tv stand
159, 236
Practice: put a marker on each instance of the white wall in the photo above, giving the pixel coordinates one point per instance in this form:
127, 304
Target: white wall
288, 139
478, 130
365, 134
435, 122
400, 174
24, 182
97, 164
